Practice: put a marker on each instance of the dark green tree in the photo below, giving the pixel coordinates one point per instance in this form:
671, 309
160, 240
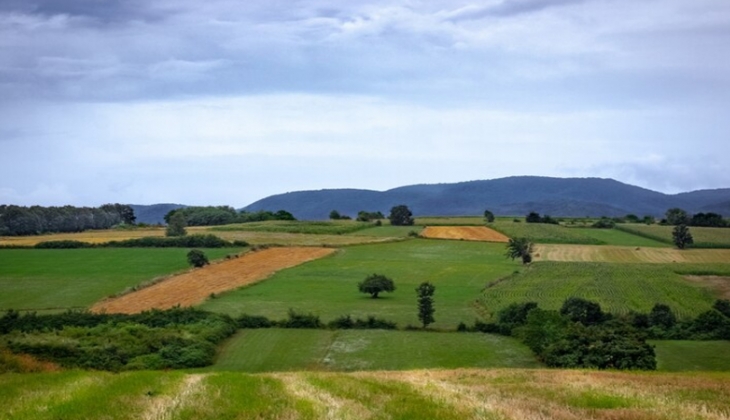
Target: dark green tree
176, 225
489, 216
583, 311
335, 215
401, 216
374, 284
662, 316
125, 212
425, 293
676, 216
197, 258
520, 248
681, 236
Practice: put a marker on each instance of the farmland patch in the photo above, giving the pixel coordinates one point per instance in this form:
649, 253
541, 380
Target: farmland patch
720, 285
469, 233
704, 237
624, 254
195, 286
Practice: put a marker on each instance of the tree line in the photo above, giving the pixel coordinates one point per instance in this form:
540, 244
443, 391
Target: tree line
36, 220
224, 215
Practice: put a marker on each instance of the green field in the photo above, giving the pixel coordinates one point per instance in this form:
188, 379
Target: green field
328, 287
704, 237
507, 394
53, 279
678, 356
333, 227
450, 221
618, 237
388, 231
270, 350
545, 233
619, 288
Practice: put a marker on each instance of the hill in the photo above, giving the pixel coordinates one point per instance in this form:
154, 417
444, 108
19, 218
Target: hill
569, 197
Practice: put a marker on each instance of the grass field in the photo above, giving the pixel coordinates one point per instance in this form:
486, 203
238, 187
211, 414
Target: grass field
450, 221
619, 288
704, 237
333, 227
92, 236
678, 356
545, 233
270, 350
328, 287
466, 233
628, 254
509, 394
53, 279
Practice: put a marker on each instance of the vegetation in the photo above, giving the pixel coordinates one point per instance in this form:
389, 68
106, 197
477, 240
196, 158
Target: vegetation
339, 227
488, 216
676, 216
684, 355
367, 216
400, 216
189, 241
520, 248
681, 236
703, 237
546, 233
375, 284
35, 220
425, 293
224, 215
197, 258
534, 217
176, 224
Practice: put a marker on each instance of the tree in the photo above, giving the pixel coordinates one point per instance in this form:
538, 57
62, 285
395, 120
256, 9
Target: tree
662, 316
489, 216
400, 216
125, 212
676, 216
197, 258
681, 236
520, 248
583, 311
533, 217
176, 225
375, 284
335, 215
425, 293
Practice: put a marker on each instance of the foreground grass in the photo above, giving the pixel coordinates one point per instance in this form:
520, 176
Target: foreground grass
619, 288
423, 394
328, 287
677, 356
270, 350
56, 279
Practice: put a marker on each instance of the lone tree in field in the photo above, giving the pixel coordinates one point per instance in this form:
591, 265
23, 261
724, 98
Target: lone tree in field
197, 258
489, 216
425, 303
401, 216
681, 236
176, 225
376, 283
520, 248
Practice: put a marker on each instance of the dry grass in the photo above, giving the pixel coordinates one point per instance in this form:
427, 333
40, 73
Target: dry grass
469, 233
195, 286
627, 254
719, 285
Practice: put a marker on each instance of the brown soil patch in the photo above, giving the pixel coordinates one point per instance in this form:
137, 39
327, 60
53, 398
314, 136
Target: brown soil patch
195, 286
469, 233
718, 284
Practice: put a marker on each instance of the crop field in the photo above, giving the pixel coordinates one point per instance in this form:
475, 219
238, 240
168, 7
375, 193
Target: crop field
58, 279
366, 236
545, 233
468, 233
627, 254
270, 350
91, 236
328, 287
450, 221
195, 286
683, 356
511, 394
388, 231
704, 237
334, 227
619, 288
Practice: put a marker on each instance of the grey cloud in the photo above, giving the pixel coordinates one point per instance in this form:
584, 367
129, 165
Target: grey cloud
507, 8
102, 11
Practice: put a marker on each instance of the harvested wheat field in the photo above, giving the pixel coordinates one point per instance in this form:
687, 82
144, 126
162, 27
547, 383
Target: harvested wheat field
468, 233
195, 286
628, 254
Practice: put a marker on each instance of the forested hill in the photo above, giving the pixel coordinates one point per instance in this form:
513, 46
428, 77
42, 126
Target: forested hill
505, 196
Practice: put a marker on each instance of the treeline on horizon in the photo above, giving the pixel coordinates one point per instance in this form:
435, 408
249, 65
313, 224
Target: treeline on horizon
225, 215
36, 220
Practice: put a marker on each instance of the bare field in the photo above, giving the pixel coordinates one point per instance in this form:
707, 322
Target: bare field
719, 285
627, 254
469, 233
195, 286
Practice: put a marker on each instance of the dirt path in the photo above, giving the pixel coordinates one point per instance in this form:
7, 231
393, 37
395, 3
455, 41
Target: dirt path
469, 233
195, 286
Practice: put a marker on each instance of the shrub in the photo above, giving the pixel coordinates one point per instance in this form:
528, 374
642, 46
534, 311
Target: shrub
65, 244
197, 258
297, 320
252, 321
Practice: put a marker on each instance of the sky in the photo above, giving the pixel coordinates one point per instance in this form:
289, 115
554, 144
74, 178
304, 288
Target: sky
224, 102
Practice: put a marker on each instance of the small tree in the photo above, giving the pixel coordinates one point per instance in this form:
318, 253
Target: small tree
176, 225
401, 216
197, 258
376, 283
520, 248
425, 303
533, 217
681, 236
489, 216
335, 215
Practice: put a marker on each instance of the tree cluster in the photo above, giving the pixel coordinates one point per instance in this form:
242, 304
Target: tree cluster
534, 217
368, 216
676, 216
36, 220
224, 215
401, 216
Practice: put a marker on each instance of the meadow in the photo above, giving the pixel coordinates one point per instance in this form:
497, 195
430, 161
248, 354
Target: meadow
332, 227
704, 237
420, 394
688, 356
545, 233
58, 279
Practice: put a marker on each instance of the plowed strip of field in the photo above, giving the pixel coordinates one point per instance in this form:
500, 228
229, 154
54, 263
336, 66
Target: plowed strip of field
469, 233
628, 254
195, 286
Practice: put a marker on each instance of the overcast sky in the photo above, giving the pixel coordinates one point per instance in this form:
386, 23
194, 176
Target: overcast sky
227, 101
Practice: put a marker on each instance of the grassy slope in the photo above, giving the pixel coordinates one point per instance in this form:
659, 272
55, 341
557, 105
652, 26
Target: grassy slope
71, 278
677, 356
619, 288
267, 350
443, 394
328, 287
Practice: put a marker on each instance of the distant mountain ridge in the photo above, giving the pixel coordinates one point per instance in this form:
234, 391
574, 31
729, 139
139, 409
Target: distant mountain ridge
517, 195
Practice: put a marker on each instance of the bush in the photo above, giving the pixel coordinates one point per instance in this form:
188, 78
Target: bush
297, 320
252, 321
346, 322
604, 223
66, 244
197, 258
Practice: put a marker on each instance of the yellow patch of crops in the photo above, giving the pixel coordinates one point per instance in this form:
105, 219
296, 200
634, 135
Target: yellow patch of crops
628, 254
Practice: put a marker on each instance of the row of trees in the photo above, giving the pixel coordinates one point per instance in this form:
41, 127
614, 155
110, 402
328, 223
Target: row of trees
676, 216
36, 220
362, 216
400, 215
224, 215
